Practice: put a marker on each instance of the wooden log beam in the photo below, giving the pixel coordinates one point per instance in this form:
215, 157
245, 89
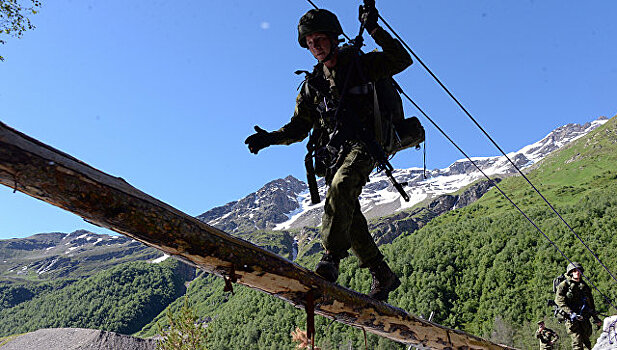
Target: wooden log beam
38, 170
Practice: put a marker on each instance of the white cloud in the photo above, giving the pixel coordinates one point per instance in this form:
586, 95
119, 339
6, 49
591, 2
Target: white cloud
265, 25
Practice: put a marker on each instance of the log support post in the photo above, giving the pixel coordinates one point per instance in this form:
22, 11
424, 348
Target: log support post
310, 317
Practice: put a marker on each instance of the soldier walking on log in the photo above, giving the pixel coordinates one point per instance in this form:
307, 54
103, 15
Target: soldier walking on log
346, 162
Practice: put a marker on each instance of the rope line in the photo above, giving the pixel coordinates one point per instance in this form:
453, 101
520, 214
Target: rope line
496, 145
609, 302
503, 193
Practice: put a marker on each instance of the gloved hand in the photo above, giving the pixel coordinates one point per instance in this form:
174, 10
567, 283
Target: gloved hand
575, 317
259, 140
368, 16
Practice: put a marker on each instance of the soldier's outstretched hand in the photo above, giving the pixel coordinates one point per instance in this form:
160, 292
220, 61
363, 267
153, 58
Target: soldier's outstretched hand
259, 140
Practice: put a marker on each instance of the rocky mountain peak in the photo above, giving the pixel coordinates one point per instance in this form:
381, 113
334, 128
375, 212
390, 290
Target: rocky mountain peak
284, 204
260, 210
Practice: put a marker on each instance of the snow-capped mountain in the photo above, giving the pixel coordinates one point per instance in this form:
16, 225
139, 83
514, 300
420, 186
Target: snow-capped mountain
284, 204
75, 254
260, 210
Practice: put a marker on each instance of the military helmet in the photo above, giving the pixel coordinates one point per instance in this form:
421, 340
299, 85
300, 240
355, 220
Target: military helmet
315, 21
540, 322
574, 266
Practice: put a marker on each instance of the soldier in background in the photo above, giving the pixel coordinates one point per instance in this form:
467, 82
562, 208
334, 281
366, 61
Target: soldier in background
547, 336
574, 298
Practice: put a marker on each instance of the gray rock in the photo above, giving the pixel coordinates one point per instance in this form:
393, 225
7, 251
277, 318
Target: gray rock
283, 204
259, 210
608, 339
386, 229
77, 254
77, 339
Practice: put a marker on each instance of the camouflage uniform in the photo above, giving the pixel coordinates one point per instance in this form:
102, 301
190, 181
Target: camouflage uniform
344, 226
570, 297
547, 338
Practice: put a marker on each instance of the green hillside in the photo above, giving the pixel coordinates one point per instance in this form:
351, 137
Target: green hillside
483, 269
120, 299
13, 294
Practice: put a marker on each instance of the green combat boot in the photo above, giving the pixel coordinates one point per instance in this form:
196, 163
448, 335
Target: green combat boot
384, 281
327, 268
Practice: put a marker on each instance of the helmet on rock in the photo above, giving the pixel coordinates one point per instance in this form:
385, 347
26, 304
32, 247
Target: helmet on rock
318, 21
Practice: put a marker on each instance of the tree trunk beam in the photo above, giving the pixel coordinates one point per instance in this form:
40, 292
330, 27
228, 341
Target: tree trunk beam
43, 172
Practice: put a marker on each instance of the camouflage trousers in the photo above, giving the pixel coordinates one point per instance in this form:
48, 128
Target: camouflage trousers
580, 332
343, 225
545, 346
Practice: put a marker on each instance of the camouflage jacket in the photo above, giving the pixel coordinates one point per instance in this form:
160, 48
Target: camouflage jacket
310, 104
547, 336
571, 296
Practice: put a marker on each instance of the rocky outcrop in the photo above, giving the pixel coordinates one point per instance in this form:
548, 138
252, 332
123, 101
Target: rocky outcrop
386, 229
308, 242
473, 193
260, 210
608, 338
284, 204
74, 255
77, 339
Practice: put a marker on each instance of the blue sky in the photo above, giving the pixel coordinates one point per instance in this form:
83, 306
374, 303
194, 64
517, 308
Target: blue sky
164, 93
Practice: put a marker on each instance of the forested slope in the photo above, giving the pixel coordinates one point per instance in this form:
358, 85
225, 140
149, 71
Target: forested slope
121, 299
483, 269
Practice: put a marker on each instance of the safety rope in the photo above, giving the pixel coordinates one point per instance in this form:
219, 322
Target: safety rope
495, 144
481, 171
502, 193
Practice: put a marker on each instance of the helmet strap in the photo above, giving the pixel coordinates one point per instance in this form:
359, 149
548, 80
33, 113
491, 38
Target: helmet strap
333, 47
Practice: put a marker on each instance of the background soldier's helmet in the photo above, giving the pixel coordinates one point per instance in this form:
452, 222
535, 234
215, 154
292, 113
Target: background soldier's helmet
573, 266
318, 21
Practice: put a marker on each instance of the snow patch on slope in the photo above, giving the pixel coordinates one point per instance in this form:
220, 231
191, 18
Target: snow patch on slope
379, 192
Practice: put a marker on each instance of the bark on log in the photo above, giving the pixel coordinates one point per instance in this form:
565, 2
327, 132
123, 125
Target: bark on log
43, 172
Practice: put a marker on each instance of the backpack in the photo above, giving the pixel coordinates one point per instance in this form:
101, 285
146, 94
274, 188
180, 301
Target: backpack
392, 131
557, 281
557, 313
